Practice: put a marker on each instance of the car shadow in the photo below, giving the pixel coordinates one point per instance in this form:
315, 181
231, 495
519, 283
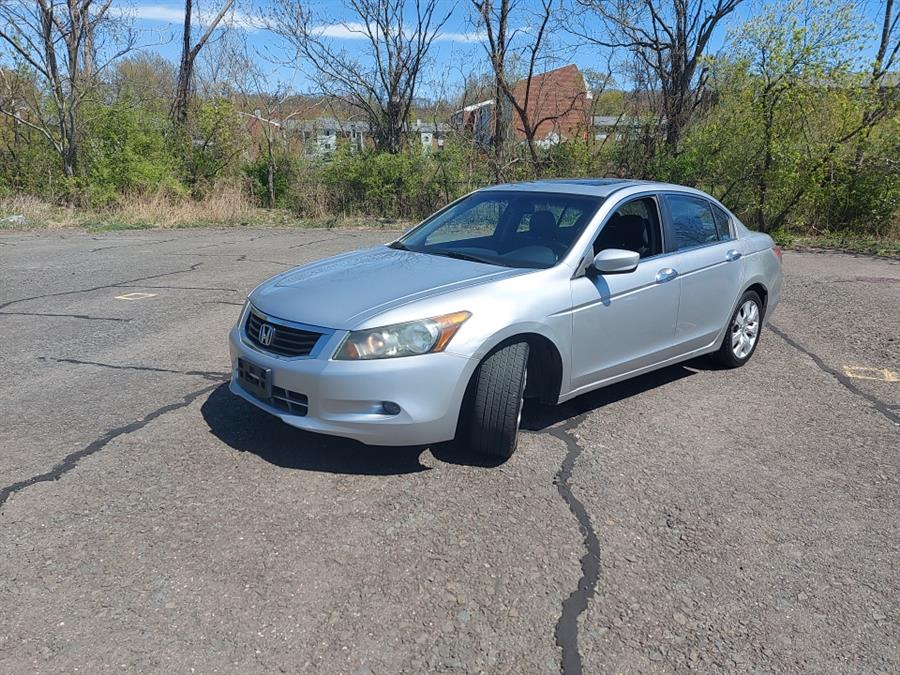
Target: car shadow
537, 417
245, 428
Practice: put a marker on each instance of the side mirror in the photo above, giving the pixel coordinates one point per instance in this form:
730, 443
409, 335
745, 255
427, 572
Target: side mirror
616, 261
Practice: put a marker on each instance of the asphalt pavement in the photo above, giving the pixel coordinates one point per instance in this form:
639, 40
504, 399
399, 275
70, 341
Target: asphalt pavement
694, 518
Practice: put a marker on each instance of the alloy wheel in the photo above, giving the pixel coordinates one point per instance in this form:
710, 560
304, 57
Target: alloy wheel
522, 398
745, 329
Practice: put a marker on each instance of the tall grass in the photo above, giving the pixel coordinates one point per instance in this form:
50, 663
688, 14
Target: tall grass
227, 204
36, 212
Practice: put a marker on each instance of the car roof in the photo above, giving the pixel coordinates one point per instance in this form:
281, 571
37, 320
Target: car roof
598, 187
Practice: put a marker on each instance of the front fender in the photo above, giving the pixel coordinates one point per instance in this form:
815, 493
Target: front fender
558, 336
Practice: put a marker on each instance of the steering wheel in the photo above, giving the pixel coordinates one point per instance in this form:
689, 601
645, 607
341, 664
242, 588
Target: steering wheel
559, 249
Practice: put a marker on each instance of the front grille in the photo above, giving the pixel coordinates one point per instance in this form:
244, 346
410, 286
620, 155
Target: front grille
285, 340
291, 401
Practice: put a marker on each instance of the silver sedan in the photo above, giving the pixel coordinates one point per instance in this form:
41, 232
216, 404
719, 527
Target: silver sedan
543, 290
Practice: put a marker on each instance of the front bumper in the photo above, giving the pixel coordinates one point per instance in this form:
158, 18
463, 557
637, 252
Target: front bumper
345, 397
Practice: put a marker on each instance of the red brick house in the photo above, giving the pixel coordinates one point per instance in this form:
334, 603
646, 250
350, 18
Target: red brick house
558, 106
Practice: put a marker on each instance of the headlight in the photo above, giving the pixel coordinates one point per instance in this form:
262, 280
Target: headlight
402, 339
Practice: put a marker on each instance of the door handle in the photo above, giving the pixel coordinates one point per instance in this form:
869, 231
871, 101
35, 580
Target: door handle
665, 274
732, 255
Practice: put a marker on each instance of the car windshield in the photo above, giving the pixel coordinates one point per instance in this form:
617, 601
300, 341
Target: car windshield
510, 228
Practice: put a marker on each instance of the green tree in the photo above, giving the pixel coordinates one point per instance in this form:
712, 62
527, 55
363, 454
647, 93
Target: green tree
788, 106
126, 152
211, 142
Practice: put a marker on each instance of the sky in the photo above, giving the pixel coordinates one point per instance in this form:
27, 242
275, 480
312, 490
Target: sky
456, 52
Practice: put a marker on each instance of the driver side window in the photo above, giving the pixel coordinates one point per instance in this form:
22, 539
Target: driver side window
634, 227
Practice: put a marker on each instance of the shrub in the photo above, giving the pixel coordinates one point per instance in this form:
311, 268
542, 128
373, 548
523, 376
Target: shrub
126, 152
211, 145
286, 171
411, 184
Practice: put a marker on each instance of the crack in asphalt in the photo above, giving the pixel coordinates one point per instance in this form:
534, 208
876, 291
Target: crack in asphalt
315, 241
876, 402
70, 461
566, 632
192, 268
132, 244
269, 262
218, 243
238, 258
68, 316
206, 374
182, 288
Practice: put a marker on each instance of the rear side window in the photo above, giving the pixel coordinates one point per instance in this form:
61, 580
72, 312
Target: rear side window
692, 221
723, 223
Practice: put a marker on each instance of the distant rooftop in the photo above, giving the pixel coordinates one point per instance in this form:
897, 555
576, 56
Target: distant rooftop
476, 106
616, 120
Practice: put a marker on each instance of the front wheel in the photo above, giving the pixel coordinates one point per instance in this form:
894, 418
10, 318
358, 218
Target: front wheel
497, 400
742, 335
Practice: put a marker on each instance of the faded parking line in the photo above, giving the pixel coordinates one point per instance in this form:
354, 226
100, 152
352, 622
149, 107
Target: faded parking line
868, 373
876, 402
135, 296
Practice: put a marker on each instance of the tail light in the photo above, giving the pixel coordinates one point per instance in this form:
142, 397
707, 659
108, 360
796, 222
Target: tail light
776, 249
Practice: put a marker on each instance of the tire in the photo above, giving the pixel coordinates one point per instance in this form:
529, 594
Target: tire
746, 322
496, 408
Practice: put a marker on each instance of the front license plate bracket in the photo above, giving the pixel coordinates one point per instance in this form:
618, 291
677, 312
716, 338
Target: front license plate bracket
255, 379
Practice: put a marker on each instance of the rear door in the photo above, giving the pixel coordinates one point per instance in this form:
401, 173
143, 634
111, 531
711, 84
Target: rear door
708, 264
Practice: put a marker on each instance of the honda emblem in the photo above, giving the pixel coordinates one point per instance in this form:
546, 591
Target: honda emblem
266, 334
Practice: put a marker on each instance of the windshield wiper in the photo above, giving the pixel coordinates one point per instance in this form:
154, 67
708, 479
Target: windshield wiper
399, 245
463, 256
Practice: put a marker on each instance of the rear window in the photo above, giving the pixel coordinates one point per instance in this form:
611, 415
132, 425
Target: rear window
692, 221
723, 223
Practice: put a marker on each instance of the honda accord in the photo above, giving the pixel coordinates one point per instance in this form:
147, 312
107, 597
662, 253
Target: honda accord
545, 290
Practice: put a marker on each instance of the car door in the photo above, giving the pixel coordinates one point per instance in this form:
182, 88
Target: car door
625, 322
708, 265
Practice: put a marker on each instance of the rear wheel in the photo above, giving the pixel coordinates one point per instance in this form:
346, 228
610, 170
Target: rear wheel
497, 399
742, 335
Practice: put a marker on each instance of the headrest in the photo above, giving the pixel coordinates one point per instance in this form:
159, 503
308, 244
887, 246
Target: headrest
543, 224
627, 231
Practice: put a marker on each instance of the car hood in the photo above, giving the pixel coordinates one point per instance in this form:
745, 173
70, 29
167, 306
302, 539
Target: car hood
344, 291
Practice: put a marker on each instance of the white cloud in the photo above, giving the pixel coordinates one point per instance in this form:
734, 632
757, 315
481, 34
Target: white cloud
340, 31
166, 14
461, 37
343, 31
357, 31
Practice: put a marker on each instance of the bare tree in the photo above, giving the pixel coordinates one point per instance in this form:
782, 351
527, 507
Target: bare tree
62, 46
495, 22
669, 39
189, 54
382, 86
524, 95
263, 103
598, 82
889, 43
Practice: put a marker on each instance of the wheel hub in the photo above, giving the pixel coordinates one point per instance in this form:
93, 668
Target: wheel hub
745, 329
